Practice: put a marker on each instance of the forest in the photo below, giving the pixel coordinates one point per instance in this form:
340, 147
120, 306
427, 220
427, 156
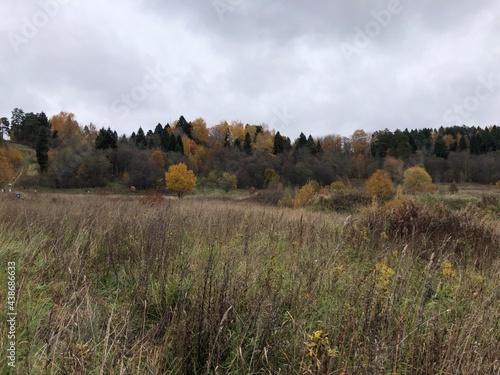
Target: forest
70, 155
301, 271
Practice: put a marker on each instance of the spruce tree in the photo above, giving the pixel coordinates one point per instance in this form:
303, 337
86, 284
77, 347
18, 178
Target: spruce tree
42, 148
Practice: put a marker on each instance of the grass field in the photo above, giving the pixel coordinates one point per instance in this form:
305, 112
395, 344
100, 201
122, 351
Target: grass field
128, 285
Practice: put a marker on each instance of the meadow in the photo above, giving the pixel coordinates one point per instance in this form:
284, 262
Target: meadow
213, 285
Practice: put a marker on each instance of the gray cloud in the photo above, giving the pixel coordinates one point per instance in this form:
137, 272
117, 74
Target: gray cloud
324, 68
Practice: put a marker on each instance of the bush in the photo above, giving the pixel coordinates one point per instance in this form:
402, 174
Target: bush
306, 194
417, 180
453, 188
380, 185
271, 196
337, 185
228, 182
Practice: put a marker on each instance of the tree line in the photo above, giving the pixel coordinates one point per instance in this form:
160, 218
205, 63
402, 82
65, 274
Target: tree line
70, 155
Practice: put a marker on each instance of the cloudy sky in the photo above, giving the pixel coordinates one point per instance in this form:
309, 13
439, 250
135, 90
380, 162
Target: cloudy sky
323, 67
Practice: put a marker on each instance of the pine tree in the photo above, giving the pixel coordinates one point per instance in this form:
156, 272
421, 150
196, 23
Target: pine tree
179, 145
42, 148
279, 144
140, 140
247, 144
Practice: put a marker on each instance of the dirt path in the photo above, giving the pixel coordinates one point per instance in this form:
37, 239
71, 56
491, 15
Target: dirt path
20, 173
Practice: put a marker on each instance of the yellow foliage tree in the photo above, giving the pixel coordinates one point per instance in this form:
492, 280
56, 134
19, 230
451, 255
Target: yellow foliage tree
180, 179
67, 128
417, 180
380, 185
360, 142
265, 141
200, 131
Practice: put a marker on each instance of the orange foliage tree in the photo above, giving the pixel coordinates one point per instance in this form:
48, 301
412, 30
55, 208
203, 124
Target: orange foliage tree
157, 158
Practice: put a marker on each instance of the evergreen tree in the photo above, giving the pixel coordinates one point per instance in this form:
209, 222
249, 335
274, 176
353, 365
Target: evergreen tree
279, 144
319, 149
172, 143
440, 149
237, 145
462, 144
300, 142
16, 122
140, 140
158, 129
42, 148
186, 127
311, 145
247, 144
106, 139
180, 145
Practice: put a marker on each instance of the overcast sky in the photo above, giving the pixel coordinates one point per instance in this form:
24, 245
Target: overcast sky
323, 67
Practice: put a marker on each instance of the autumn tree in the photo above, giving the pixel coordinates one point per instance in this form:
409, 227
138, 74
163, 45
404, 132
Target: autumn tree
180, 179
360, 142
394, 167
157, 158
200, 131
66, 129
416, 180
380, 185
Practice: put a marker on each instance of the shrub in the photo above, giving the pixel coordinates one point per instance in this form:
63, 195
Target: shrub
337, 185
228, 182
271, 195
453, 188
380, 185
306, 194
417, 180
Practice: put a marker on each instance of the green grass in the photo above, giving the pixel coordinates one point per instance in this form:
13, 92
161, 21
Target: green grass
118, 285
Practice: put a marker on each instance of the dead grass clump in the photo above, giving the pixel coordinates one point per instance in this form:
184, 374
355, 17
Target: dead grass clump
439, 229
348, 201
152, 197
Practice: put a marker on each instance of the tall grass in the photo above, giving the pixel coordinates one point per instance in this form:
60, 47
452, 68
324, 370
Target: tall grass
192, 286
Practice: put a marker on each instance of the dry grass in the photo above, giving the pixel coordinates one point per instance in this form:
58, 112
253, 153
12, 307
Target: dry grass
124, 285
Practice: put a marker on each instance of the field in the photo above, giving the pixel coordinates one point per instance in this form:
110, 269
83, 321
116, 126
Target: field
213, 285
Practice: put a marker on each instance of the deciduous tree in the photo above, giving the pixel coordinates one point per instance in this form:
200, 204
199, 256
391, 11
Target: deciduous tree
180, 179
